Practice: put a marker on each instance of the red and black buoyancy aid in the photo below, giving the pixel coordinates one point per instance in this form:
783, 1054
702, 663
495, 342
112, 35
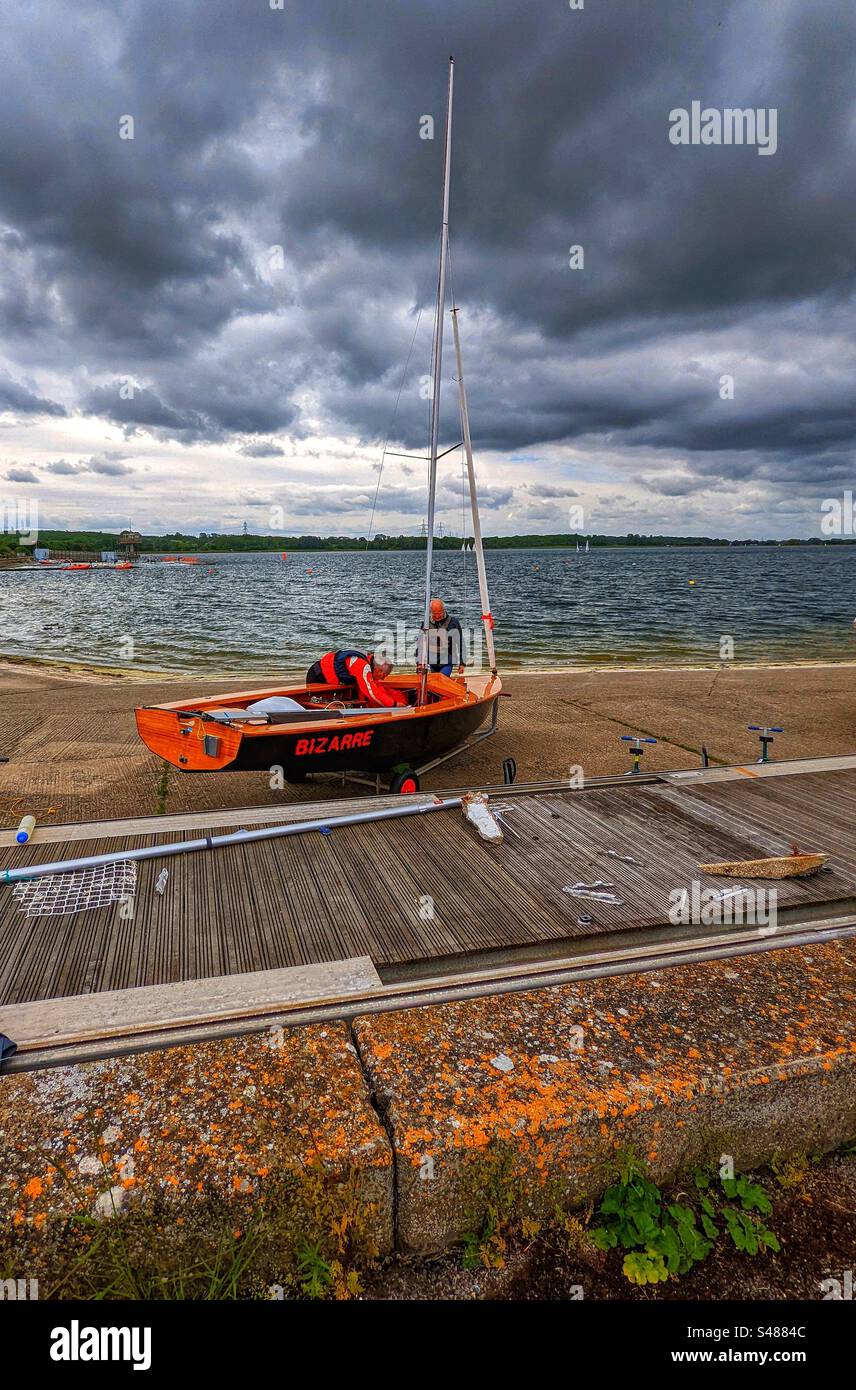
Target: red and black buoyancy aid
353, 668
335, 670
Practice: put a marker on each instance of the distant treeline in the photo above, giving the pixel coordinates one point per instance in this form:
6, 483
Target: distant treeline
178, 543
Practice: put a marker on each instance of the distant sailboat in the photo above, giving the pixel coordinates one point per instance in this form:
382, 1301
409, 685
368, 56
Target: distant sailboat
587, 547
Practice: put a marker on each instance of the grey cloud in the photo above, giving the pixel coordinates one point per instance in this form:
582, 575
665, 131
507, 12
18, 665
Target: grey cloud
151, 257
108, 465
261, 450
17, 398
674, 484
210, 404
62, 467
141, 409
550, 490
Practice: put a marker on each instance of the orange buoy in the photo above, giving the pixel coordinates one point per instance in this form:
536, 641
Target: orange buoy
285, 555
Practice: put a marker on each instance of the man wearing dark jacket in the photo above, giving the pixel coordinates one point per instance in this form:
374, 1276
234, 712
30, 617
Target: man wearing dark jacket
445, 641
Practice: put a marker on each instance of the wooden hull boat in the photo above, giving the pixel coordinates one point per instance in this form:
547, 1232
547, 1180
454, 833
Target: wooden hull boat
785, 866
331, 734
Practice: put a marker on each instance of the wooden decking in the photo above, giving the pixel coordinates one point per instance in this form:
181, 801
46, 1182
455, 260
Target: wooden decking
425, 888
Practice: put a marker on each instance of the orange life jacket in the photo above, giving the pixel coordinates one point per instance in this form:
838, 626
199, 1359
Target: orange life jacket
354, 668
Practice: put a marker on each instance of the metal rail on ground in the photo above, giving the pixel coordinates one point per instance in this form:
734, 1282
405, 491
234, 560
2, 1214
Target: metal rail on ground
598, 962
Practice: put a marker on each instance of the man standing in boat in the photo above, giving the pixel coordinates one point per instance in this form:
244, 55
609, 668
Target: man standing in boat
445, 641
364, 671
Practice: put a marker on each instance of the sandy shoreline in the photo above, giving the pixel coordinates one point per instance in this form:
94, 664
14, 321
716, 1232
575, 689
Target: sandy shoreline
85, 670
71, 749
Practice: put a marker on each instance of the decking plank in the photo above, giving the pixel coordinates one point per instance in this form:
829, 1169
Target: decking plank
358, 891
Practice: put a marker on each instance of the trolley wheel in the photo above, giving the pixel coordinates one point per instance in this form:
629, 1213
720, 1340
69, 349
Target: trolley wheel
406, 782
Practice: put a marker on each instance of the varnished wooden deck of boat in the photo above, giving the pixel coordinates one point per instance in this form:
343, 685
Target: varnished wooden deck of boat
404, 892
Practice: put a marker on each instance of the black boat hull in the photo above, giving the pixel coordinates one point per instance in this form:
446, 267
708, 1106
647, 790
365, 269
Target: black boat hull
383, 747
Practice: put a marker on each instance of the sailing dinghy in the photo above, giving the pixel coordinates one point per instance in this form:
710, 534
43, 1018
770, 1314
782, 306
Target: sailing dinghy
322, 728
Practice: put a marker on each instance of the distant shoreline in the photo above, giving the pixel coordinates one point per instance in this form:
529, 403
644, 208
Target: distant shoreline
152, 547
86, 670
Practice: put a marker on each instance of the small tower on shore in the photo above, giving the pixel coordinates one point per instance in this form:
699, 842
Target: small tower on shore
128, 544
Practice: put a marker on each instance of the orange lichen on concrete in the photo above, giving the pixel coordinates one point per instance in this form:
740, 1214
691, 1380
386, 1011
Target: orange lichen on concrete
562, 1077
189, 1122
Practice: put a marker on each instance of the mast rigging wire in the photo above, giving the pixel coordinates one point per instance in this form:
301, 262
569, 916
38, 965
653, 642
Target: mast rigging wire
466, 577
391, 423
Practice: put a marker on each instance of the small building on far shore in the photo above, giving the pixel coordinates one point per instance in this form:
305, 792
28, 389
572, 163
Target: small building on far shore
126, 548
128, 545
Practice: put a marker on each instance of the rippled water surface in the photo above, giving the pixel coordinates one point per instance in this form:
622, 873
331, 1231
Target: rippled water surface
553, 607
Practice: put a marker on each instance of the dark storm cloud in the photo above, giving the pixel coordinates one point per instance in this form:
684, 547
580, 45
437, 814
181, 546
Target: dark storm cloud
231, 406
675, 484
21, 401
255, 257
141, 408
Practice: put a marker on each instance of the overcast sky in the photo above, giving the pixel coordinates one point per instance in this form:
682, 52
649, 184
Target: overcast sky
213, 318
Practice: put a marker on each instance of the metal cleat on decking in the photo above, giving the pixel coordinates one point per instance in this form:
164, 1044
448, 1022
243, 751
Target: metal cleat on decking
637, 750
766, 738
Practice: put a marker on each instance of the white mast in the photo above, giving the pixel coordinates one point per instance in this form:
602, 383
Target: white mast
487, 617
422, 659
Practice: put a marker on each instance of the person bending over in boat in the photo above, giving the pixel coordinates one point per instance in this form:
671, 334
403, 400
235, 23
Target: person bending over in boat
445, 641
364, 671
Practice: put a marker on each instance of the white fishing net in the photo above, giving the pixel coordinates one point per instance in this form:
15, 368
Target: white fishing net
80, 891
